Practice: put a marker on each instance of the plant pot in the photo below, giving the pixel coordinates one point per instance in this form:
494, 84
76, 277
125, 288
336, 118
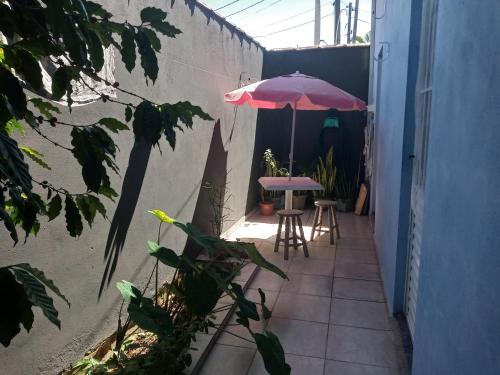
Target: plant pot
266, 208
299, 201
344, 205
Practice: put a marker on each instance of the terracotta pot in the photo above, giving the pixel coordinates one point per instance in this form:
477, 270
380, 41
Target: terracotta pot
299, 202
266, 208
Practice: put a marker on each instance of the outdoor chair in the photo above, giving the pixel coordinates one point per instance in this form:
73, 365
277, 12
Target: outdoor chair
318, 219
291, 218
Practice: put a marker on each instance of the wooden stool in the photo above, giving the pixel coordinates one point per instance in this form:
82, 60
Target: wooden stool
332, 219
291, 218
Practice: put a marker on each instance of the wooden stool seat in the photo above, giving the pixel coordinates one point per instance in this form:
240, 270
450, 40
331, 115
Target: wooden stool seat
291, 218
332, 219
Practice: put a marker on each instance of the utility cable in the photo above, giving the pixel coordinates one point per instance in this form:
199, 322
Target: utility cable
290, 28
268, 6
222, 7
294, 16
242, 10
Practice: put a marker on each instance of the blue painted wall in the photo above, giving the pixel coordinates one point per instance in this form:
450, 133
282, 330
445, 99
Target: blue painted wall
458, 310
394, 139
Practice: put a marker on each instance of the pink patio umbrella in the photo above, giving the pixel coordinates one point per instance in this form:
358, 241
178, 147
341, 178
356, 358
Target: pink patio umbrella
301, 92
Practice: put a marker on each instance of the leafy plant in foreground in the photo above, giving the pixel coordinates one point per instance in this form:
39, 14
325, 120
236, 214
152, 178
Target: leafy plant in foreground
186, 306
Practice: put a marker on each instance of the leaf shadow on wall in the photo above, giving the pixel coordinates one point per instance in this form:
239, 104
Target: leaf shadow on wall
131, 189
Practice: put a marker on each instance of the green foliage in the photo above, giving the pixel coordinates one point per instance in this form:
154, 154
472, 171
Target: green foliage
184, 308
272, 168
325, 174
345, 188
24, 287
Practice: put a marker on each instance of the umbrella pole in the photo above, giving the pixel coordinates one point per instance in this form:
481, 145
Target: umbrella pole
289, 193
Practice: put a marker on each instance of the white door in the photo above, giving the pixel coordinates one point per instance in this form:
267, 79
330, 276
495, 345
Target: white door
423, 101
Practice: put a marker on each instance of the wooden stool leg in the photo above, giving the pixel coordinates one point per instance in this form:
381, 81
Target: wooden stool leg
330, 223
294, 233
336, 222
320, 221
287, 235
278, 235
302, 237
316, 212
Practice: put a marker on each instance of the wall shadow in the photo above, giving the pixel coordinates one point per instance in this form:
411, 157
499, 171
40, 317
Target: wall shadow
215, 173
131, 189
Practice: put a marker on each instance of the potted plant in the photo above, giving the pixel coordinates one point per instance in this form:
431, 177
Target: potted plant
325, 173
345, 190
271, 199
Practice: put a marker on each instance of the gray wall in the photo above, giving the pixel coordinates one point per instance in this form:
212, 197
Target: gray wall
458, 310
200, 65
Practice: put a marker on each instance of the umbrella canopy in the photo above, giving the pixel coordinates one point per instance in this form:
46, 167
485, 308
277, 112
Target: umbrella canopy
300, 92
305, 92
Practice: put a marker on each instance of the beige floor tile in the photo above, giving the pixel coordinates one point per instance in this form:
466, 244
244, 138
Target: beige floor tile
346, 368
300, 365
302, 307
358, 289
267, 280
360, 345
198, 347
312, 266
299, 337
359, 314
357, 271
245, 273
320, 251
228, 360
355, 256
355, 243
308, 284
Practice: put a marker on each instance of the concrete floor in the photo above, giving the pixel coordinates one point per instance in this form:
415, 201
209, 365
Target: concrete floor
330, 316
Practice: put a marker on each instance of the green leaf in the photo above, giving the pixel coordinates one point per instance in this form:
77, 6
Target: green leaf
43, 279
150, 317
162, 216
266, 313
163, 254
37, 295
128, 113
11, 88
35, 156
45, 108
201, 293
147, 122
9, 224
128, 291
12, 164
152, 14
128, 49
55, 207
109, 192
272, 353
96, 205
61, 82
248, 309
153, 39
113, 124
258, 259
25, 65
73, 218
13, 125
96, 51
15, 309
86, 209
149, 61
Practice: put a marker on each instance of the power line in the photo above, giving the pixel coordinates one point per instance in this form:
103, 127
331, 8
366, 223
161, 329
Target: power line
294, 16
268, 6
226, 5
290, 28
242, 10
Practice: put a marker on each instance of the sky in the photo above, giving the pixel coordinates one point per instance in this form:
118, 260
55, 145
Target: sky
267, 20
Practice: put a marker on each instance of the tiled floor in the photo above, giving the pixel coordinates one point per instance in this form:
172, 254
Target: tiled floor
330, 316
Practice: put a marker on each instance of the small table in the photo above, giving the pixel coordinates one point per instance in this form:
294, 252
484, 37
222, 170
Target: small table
289, 185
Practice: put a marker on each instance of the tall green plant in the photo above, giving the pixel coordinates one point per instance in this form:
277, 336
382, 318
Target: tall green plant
326, 174
71, 37
272, 168
345, 188
188, 306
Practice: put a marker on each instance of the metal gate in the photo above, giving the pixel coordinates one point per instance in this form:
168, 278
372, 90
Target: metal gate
423, 99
